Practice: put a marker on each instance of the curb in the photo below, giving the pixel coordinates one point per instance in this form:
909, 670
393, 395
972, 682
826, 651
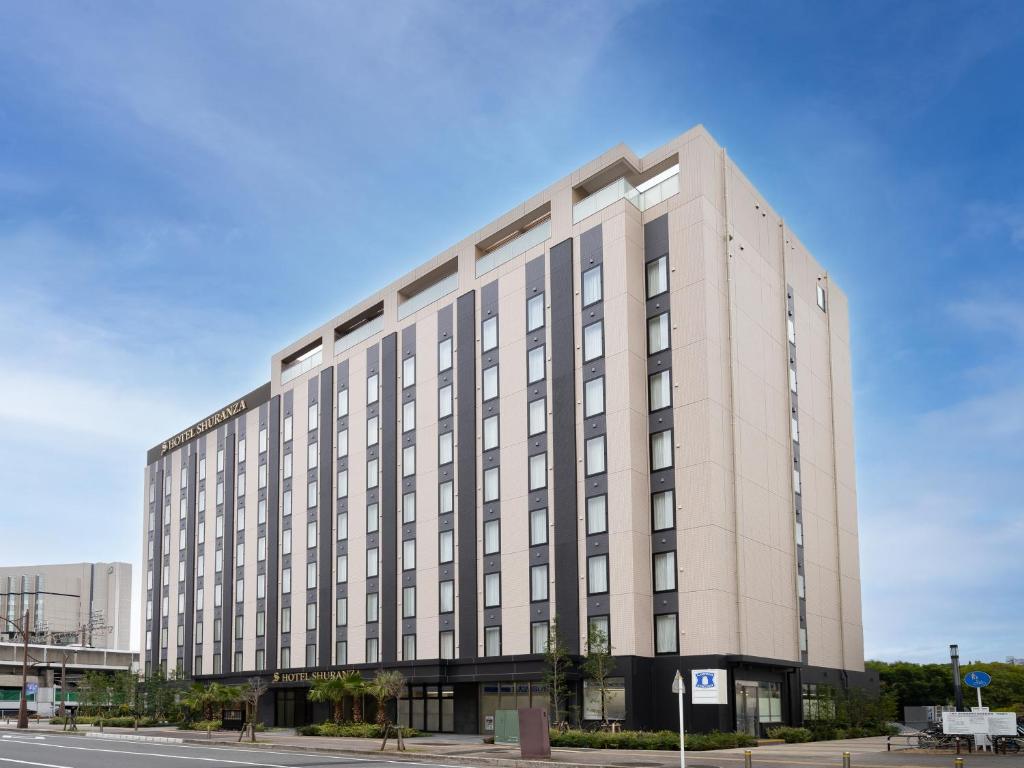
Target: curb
134, 737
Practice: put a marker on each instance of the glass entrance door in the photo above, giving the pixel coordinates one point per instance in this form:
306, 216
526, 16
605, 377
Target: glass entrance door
747, 720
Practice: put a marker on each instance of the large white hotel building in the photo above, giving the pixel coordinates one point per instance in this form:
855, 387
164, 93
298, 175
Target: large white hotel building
626, 403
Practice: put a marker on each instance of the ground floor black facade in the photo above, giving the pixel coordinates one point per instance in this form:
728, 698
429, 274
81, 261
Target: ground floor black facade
461, 696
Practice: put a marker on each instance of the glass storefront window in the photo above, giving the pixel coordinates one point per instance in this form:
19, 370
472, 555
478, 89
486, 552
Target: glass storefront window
615, 700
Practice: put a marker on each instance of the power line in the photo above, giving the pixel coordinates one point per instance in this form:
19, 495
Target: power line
39, 592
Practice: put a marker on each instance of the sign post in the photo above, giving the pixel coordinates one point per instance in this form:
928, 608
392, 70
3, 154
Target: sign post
679, 687
978, 680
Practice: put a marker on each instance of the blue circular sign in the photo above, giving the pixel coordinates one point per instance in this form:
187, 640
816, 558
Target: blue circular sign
977, 679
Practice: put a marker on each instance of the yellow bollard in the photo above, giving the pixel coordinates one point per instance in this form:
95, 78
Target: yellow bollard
747, 759
846, 760
958, 762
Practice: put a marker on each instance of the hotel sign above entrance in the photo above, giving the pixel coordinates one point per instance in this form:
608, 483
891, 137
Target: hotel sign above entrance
298, 677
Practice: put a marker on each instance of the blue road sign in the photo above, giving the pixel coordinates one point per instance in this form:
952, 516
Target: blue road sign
32, 688
977, 679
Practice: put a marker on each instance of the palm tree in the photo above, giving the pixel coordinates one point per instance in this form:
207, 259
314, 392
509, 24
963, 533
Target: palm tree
330, 690
385, 687
355, 686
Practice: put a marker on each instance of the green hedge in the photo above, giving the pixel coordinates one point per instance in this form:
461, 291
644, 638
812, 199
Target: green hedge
790, 735
650, 740
113, 722
357, 730
828, 732
201, 725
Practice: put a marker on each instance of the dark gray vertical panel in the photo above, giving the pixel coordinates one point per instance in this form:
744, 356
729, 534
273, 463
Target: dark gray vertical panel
158, 570
491, 459
326, 526
563, 430
465, 356
287, 487
446, 472
407, 529
388, 600
228, 625
273, 530
341, 631
190, 561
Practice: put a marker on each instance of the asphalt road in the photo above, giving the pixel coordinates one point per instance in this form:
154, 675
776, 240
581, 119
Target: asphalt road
58, 751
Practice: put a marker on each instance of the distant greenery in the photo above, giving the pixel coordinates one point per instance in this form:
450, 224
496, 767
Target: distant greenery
668, 740
912, 684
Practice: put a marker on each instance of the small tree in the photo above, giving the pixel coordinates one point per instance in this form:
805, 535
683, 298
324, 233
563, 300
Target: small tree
355, 686
556, 657
386, 687
330, 690
599, 665
250, 695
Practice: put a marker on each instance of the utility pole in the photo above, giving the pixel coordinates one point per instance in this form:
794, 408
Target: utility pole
23, 709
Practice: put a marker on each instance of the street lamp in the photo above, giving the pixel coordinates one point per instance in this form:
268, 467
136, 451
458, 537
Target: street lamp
958, 691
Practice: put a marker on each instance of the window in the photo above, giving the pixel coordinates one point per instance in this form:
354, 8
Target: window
310, 615
657, 276
372, 605
445, 448
311, 456
286, 580
372, 562
199, 633
538, 471
595, 455
593, 397
409, 371
661, 450
342, 526
372, 385
490, 384
444, 355
446, 546
241, 448
535, 364
538, 583
790, 330
446, 597
801, 586
342, 483
310, 655
597, 574
821, 296
311, 421
663, 513
202, 476
239, 556
446, 640
657, 333
342, 402
311, 534
792, 381
409, 507
538, 417
342, 443
409, 554
311, 494
409, 602
409, 460
538, 527
287, 430
408, 647
659, 387
492, 590
310, 575
593, 341
286, 541
342, 568
491, 432
599, 626
220, 495
492, 641
492, 537
664, 571
489, 334
218, 561
341, 652
286, 503
372, 431
371, 473
446, 497
538, 637
286, 657
796, 481
341, 611
666, 633
286, 467
286, 626
261, 511
409, 416
444, 401
794, 429
803, 639
535, 312
597, 514
592, 285
492, 484
261, 586
261, 659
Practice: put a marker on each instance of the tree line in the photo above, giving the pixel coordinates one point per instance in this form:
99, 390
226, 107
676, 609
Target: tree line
911, 684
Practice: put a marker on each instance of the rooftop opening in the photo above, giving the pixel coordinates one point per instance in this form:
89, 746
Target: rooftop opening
514, 239
367, 323
643, 190
429, 288
306, 359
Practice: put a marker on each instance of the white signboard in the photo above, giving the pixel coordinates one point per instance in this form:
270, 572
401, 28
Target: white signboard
976, 723
709, 686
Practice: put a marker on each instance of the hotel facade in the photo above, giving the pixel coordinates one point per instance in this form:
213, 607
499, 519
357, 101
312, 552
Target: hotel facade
625, 404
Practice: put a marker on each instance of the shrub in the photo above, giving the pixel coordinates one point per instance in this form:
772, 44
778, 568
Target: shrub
201, 725
352, 730
649, 740
113, 722
790, 735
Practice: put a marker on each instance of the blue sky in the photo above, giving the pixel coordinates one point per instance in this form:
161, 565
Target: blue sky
186, 188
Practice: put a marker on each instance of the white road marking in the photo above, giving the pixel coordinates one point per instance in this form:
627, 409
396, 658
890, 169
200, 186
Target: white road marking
26, 762
158, 754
